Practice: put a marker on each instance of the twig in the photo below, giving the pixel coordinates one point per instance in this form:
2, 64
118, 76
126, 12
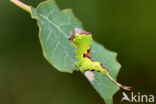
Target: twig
22, 5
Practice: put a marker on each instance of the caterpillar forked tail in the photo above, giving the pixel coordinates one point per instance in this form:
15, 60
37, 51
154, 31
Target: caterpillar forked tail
128, 88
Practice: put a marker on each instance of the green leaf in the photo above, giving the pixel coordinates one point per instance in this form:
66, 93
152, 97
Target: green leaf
54, 28
102, 84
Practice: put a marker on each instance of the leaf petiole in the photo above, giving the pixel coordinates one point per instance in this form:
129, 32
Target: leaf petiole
22, 5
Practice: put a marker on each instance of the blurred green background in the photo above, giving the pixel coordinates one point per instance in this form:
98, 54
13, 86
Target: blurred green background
125, 26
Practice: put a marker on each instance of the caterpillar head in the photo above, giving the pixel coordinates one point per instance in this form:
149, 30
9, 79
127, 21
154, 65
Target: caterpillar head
77, 36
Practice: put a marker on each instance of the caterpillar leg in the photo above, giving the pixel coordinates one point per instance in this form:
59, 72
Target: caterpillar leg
82, 70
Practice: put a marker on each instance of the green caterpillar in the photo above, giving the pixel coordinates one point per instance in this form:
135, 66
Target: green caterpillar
82, 40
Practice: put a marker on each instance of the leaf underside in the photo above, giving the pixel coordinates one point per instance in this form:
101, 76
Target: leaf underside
54, 28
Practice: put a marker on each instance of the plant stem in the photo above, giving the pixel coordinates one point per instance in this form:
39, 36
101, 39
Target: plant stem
21, 5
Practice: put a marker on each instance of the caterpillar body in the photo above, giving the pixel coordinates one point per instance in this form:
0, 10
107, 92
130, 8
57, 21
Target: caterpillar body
82, 41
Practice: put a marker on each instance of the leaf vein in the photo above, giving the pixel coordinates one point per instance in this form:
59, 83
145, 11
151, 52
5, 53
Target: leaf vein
56, 36
53, 24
